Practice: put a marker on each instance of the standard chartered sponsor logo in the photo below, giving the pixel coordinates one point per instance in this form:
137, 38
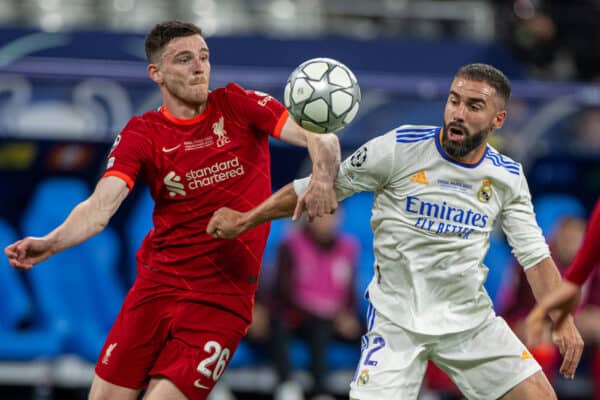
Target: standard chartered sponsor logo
215, 173
172, 182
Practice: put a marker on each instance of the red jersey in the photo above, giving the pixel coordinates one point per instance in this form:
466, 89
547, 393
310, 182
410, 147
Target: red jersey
193, 167
588, 256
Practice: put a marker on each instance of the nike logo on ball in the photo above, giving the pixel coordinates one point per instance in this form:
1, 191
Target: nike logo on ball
170, 149
199, 385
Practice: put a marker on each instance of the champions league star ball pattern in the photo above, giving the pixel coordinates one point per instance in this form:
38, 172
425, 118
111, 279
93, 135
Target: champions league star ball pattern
322, 95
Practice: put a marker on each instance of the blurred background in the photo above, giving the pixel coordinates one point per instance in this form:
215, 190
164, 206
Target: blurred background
72, 72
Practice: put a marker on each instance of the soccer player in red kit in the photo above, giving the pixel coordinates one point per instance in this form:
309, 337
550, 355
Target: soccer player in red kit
193, 296
565, 298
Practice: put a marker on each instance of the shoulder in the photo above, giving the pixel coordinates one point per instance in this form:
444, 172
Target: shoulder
502, 163
415, 133
230, 90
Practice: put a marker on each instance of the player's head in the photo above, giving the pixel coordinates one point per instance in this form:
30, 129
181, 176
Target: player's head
178, 61
566, 239
476, 106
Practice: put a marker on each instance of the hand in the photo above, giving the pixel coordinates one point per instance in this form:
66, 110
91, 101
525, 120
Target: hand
318, 199
566, 336
25, 253
225, 224
534, 326
560, 302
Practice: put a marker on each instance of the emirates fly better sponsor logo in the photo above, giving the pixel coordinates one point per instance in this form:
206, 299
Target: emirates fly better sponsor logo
215, 173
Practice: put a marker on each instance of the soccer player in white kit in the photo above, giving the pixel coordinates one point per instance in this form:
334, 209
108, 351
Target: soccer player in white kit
438, 193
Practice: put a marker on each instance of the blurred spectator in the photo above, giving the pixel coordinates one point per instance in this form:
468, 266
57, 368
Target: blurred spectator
312, 298
586, 138
518, 299
555, 38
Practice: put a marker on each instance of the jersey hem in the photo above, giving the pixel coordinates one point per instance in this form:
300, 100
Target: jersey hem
117, 382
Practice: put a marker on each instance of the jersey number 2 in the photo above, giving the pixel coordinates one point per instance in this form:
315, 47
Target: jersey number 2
218, 355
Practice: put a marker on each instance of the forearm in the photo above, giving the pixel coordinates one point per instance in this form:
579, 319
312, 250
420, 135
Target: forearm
91, 216
324, 151
279, 205
543, 279
81, 224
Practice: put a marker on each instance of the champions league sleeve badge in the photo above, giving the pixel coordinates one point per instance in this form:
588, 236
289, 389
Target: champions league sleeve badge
359, 157
484, 194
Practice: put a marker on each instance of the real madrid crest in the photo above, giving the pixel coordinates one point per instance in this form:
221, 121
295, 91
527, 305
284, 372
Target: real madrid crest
485, 191
363, 378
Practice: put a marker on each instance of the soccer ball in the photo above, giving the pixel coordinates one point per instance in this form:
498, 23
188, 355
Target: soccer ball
322, 95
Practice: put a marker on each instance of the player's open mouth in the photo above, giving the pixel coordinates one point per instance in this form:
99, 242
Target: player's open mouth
456, 134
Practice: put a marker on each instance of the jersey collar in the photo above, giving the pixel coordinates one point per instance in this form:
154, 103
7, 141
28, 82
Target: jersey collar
183, 121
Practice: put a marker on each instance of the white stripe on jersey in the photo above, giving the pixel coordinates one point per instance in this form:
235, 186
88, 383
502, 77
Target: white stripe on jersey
432, 217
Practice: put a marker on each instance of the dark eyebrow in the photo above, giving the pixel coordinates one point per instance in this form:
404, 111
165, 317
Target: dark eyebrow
470, 100
202, 50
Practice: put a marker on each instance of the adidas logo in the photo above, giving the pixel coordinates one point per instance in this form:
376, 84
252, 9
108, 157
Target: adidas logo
525, 355
420, 178
173, 186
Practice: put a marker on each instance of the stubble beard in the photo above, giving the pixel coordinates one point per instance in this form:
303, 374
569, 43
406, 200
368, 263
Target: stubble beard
187, 94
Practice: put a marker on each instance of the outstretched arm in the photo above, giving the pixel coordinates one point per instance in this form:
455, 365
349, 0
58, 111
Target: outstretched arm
87, 219
564, 300
324, 151
543, 279
228, 224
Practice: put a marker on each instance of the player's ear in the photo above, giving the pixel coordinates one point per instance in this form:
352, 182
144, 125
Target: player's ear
154, 73
499, 119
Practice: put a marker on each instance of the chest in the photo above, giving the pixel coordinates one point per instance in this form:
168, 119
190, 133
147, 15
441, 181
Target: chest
212, 154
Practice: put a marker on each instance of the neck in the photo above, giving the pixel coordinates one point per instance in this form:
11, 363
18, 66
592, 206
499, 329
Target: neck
184, 110
474, 155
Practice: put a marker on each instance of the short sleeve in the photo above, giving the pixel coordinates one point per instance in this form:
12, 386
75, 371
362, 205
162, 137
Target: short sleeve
368, 169
522, 231
262, 112
130, 150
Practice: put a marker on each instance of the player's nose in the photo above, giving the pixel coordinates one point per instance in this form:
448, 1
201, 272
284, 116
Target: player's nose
459, 112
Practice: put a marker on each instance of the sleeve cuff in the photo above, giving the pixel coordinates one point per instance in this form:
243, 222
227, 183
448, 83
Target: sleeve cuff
128, 181
279, 126
300, 185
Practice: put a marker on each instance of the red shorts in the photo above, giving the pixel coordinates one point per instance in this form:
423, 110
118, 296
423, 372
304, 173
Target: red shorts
164, 331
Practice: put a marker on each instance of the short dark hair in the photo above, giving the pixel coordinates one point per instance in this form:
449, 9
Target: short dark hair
488, 74
163, 33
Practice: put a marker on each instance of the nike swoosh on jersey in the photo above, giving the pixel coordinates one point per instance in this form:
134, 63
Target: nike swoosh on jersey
170, 149
199, 385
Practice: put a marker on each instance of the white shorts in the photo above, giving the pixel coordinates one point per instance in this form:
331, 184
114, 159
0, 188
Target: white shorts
485, 362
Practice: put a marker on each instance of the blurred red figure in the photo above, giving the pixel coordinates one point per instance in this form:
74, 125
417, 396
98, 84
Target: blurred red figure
519, 301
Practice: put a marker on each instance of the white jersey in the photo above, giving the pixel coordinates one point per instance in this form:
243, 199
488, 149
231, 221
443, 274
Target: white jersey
432, 218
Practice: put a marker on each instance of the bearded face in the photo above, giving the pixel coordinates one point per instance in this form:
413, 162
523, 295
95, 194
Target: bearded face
458, 141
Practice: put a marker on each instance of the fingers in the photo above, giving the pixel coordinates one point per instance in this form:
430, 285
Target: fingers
571, 359
300, 204
16, 254
570, 344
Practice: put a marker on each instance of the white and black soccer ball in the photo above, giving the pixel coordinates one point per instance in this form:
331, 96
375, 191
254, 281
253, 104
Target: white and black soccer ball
322, 95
